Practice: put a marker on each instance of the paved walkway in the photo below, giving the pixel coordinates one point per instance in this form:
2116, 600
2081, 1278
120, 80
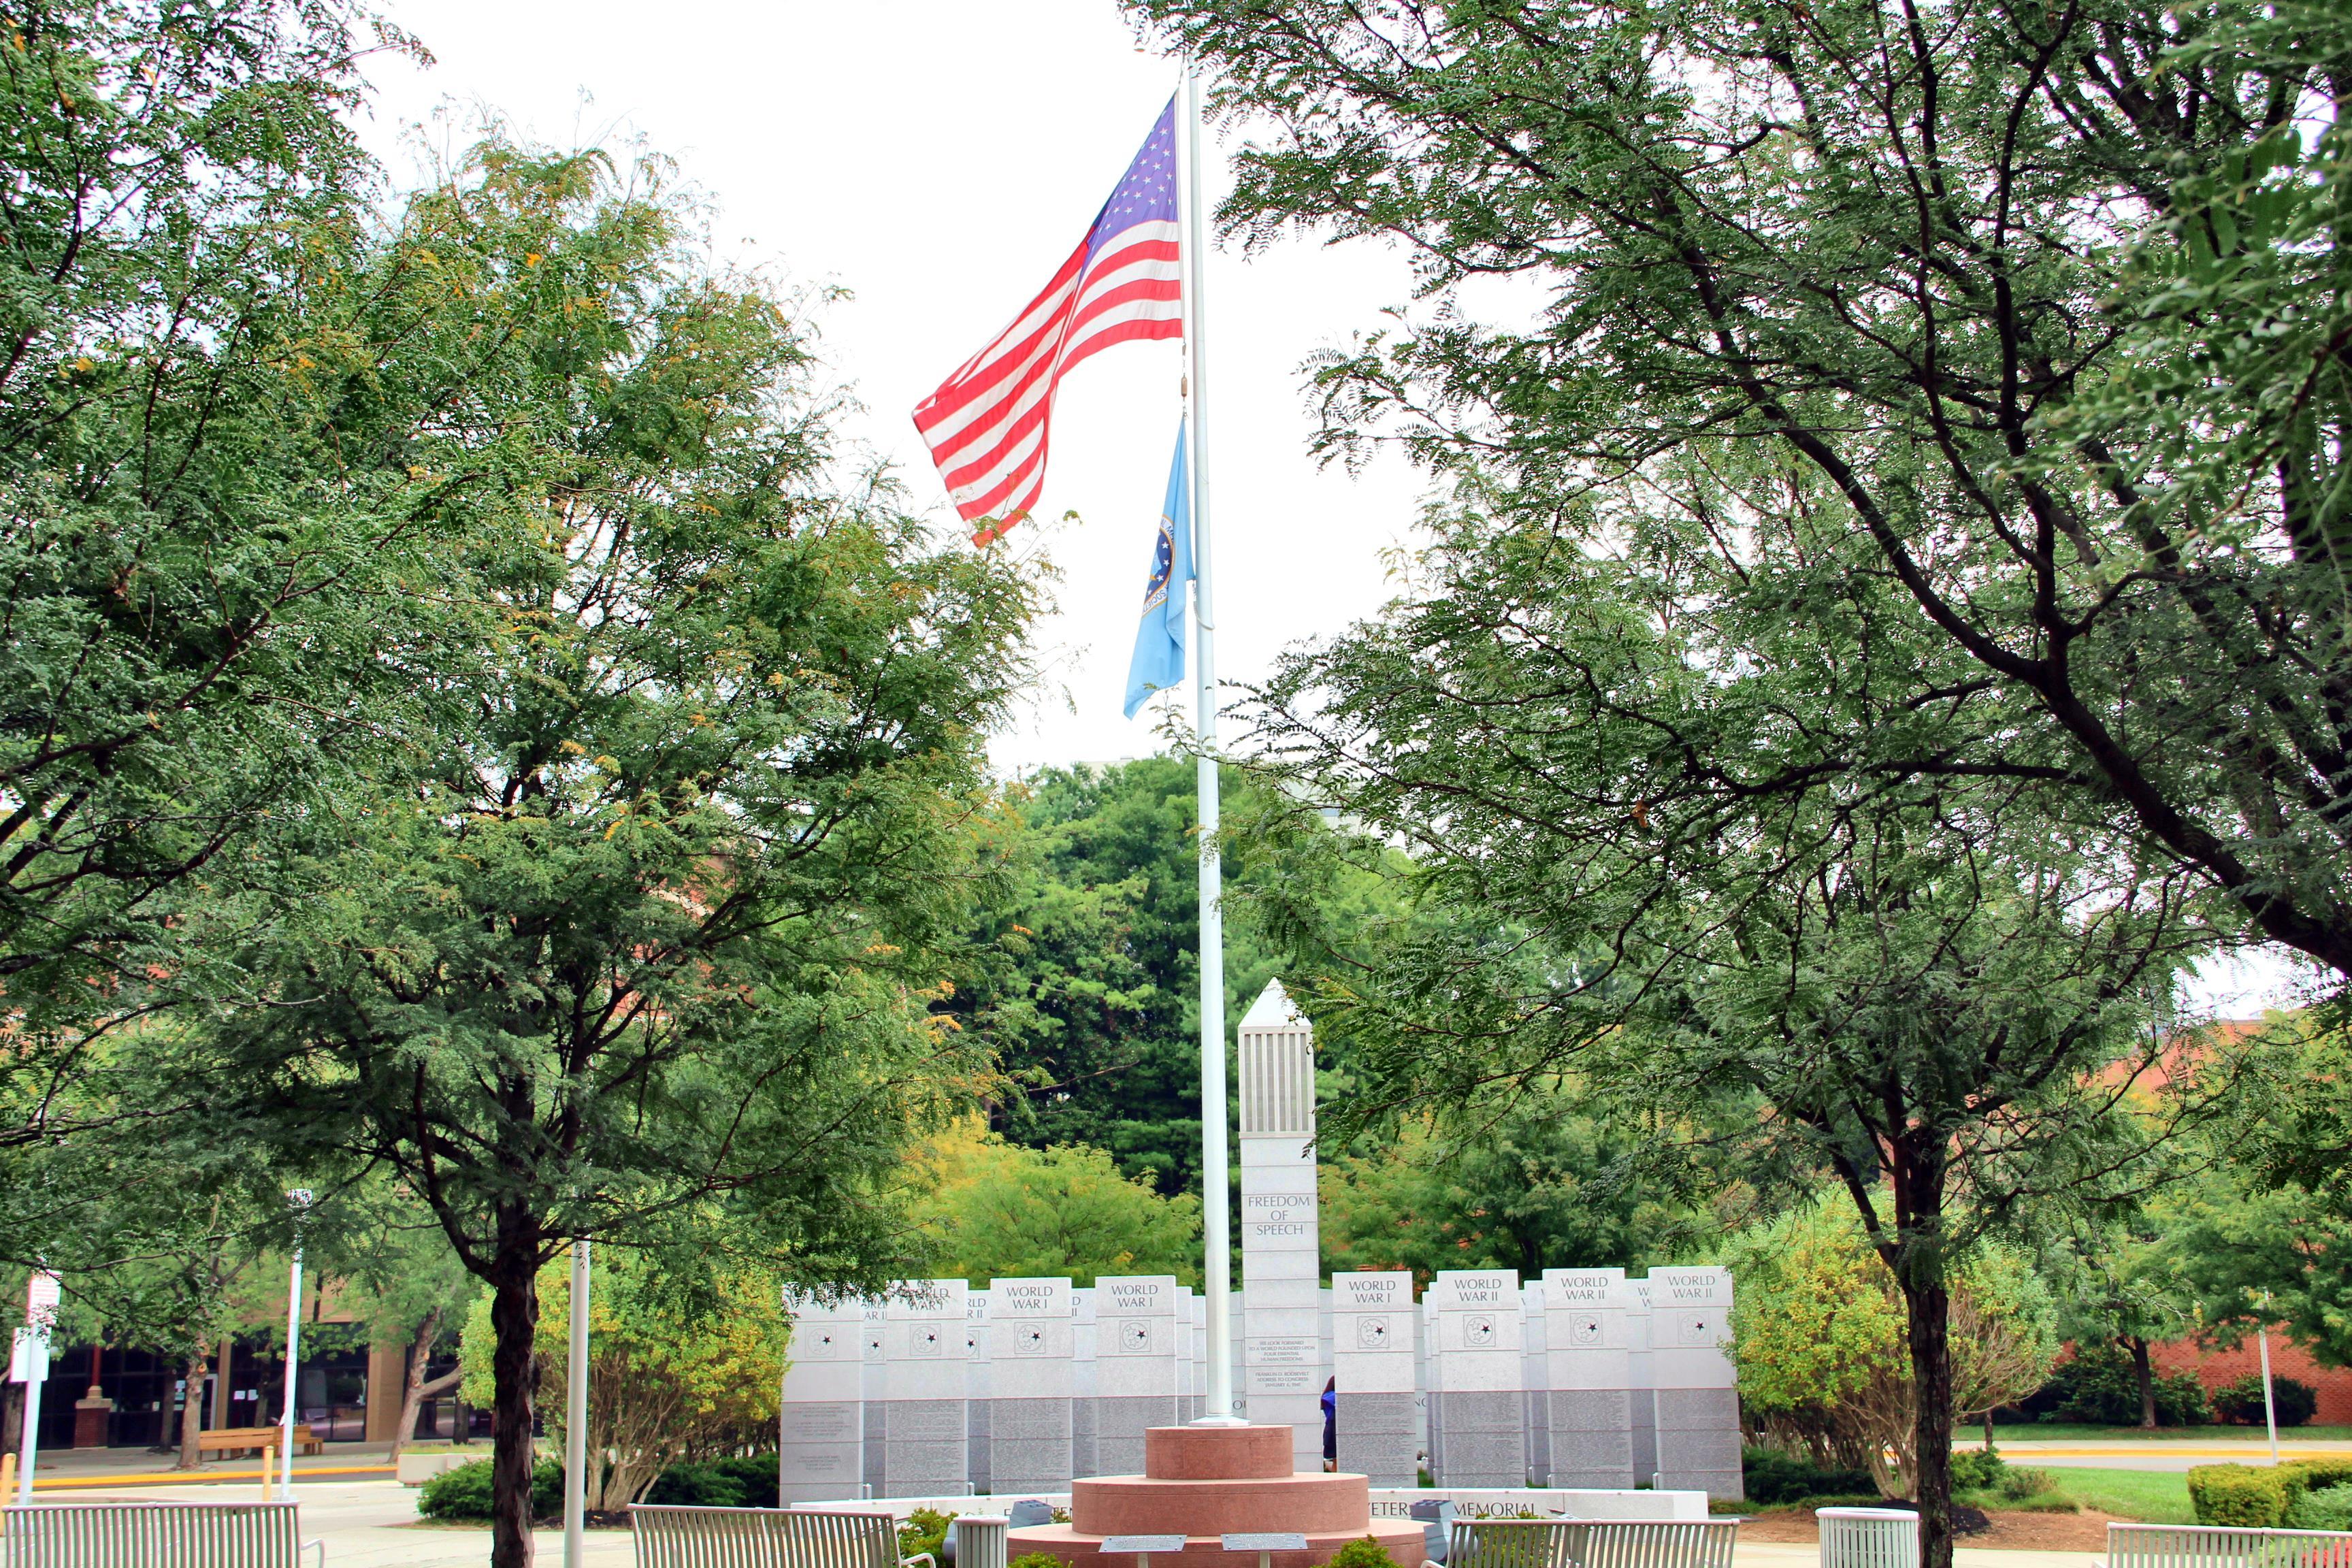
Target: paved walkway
2164, 1454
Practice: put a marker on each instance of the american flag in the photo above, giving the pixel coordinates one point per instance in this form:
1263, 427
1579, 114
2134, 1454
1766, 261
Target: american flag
987, 423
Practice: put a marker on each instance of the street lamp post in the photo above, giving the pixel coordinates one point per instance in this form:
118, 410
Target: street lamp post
299, 1198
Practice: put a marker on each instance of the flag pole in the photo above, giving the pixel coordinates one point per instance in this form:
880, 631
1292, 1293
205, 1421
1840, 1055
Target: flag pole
1217, 1272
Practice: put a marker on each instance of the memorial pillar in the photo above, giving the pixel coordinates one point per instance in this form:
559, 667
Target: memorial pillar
1535, 1383
1696, 1390
873, 1387
1643, 1403
925, 1433
1083, 1383
1032, 1357
1587, 1378
1136, 1351
1281, 1250
821, 1427
1373, 1360
1477, 1406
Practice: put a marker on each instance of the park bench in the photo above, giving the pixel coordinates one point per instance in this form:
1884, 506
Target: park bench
674, 1537
154, 1535
228, 1440
2225, 1546
1592, 1543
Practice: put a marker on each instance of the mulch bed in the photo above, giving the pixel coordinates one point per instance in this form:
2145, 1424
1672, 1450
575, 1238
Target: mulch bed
2006, 1529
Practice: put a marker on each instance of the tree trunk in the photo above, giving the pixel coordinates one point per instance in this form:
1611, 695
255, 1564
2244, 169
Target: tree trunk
514, 1324
2147, 1375
1930, 1311
192, 1414
415, 1390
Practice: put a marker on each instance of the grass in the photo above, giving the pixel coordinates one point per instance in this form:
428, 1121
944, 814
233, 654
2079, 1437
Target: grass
2059, 1431
2151, 1497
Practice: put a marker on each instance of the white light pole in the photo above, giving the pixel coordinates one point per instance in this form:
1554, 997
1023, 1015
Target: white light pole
299, 1198
31, 1366
2270, 1410
575, 1416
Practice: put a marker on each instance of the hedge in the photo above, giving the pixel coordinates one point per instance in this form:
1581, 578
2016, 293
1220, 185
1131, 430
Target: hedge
2239, 1494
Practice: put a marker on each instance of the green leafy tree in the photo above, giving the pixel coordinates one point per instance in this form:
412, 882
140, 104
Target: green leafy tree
1540, 1188
205, 526
2037, 312
995, 1209
1820, 1335
654, 926
673, 1376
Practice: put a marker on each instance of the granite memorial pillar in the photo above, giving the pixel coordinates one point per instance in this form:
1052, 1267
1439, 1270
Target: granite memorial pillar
1372, 1322
1033, 1352
1696, 1390
1281, 1250
1137, 1350
820, 1424
925, 1437
1588, 1378
1478, 1406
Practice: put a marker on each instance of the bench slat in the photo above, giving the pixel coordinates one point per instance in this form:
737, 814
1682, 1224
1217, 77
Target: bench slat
153, 1535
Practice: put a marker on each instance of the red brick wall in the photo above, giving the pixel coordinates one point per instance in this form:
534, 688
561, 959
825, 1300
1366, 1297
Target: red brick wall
2216, 1367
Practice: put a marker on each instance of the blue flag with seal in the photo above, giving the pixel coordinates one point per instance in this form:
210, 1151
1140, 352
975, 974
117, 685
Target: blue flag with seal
1164, 633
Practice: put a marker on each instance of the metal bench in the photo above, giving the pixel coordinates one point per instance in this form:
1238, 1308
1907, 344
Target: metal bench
1592, 1543
670, 1537
1869, 1537
2225, 1546
155, 1535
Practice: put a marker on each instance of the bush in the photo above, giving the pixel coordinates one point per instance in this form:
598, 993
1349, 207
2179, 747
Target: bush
2330, 1508
2241, 1402
1035, 1560
2098, 1386
1979, 1470
1776, 1476
746, 1480
2238, 1494
464, 1493
926, 1530
1365, 1553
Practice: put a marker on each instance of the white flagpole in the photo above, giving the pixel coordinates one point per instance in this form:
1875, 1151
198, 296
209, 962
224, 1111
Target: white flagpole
1217, 1266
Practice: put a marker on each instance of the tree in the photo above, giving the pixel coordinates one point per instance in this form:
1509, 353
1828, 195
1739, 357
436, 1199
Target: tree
1914, 981
2039, 310
2118, 1285
1542, 1187
1094, 1008
400, 1279
205, 527
1820, 1334
672, 1376
654, 925
995, 1209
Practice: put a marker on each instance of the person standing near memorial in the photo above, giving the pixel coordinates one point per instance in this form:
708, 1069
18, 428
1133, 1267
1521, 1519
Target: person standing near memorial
1331, 1423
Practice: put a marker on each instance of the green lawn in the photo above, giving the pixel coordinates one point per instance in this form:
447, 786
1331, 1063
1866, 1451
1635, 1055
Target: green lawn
2151, 1497
2040, 1433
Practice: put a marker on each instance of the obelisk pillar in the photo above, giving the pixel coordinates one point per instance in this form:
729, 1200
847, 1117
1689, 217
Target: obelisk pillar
1282, 1308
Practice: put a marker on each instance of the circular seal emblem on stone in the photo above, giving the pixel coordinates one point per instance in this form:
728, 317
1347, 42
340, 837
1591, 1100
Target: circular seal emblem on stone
1478, 1331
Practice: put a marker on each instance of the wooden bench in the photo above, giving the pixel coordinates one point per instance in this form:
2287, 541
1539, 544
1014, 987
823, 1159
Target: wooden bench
673, 1537
154, 1535
1592, 1543
255, 1440
2225, 1546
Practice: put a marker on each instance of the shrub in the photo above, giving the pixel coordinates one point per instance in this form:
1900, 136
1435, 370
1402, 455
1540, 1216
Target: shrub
2241, 1401
1035, 1560
926, 1530
464, 1493
2238, 1494
1977, 1470
2098, 1386
1774, 1476
735, 1481
2330, 1508
1365, 1553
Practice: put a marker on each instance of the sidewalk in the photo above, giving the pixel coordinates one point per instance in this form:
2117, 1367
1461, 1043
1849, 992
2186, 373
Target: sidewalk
74, 1470
2174, 1456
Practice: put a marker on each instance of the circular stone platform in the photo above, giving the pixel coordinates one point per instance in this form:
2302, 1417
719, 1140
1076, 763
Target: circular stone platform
1204, 1482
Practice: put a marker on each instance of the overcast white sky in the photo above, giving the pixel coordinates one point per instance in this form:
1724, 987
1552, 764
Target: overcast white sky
938, 158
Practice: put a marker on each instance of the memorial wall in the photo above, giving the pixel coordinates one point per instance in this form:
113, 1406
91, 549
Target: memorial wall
1582, 1379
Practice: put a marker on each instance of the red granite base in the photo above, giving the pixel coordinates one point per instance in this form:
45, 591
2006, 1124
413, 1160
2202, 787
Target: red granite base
1206, 1482
1403, 1539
